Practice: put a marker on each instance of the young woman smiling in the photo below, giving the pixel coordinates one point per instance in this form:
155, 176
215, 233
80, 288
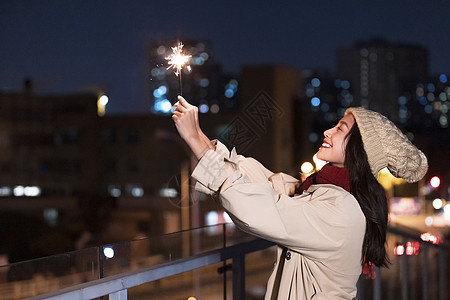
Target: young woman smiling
328, 226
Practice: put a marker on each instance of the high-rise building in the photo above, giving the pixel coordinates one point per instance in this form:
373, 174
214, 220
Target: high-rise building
48, 144
204, 83
264, 128
321, 105
379, 71
113, 176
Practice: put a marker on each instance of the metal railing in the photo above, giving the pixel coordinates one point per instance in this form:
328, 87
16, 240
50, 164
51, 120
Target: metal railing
161, 268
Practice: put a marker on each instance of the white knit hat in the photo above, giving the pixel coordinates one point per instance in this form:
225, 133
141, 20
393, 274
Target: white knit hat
387, 146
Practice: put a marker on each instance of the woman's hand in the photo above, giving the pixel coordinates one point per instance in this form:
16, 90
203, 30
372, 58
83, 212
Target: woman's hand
185, 117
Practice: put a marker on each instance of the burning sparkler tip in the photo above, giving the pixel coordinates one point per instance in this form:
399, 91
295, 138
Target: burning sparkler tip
177, 59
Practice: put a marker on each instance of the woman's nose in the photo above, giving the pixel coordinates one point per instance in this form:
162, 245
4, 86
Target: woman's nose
327, 133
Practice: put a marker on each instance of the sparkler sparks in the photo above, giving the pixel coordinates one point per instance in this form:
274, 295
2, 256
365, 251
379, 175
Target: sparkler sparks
177, 59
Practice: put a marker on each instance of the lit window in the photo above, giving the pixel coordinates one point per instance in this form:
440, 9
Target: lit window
345, 84
204, 82
108, 252
399, 250
5, 191
114, 190
315, 101
313, 137
315, 82
137, 192
229, 93
215, 108
402, 100
168, 192
204, 108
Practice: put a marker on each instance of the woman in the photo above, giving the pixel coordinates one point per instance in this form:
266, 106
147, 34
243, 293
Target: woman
337, 220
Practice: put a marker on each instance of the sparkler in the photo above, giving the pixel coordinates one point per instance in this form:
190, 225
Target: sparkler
176, 61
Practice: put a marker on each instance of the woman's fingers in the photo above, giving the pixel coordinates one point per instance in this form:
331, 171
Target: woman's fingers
183, 102
180, 108
176, 114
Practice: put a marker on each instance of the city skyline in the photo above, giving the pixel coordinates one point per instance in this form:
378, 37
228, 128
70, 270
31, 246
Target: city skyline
90, 46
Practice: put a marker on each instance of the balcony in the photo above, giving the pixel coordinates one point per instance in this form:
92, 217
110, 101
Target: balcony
217, 262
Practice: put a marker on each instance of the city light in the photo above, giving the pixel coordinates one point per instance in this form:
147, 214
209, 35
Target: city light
108, 252
227, 217
447, 211
435, 182
429, 237
5, 191
114, 190
166, 106
315, 82
412, 248
212, 218
137, 192
307, 168
318, 162
399, 250
101, 105
437, 203
315, 101
163, 106
103, 100
215, 108
27, 191
231, 88
160, 91
168, 192
203, 108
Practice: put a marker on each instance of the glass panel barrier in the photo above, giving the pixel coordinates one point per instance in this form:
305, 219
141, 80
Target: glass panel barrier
126, 256
418, 270
415, 272
258, 267
43, 275
201, 283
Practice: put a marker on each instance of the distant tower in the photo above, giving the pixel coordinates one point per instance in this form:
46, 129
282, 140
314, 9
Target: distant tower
269, 93
206, 86
379, 71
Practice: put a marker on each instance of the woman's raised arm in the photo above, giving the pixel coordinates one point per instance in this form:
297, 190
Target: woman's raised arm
186, 121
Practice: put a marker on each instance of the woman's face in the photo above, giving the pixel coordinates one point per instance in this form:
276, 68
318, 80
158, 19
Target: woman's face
333, 146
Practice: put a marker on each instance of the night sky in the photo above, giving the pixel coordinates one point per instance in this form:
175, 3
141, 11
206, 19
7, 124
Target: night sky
68, 46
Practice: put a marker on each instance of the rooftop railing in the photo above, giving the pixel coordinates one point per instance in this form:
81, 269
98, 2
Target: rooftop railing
217, 262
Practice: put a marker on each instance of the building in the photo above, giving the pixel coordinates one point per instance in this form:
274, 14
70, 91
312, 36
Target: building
89, 178
379, 71
201, 81
322, 103
48, 144
264, 127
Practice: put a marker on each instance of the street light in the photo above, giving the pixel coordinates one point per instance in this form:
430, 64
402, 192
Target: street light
437, 203
435, 182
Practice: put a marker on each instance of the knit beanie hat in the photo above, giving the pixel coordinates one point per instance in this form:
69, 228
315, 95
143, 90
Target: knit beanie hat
387, 146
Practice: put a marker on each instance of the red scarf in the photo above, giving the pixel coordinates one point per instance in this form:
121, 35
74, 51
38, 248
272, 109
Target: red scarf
329, 174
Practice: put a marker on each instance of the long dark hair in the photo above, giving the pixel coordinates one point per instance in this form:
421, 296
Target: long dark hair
371, 198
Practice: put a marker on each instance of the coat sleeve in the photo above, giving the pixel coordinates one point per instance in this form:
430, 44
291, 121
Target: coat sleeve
247, 193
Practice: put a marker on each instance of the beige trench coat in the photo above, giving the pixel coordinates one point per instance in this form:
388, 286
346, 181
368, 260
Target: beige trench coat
323, 229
